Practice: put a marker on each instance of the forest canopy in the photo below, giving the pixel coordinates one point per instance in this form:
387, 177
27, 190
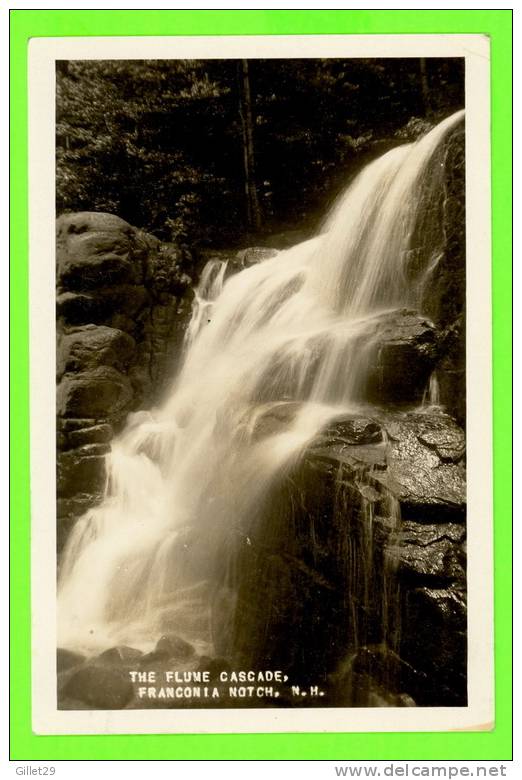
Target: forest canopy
210, 152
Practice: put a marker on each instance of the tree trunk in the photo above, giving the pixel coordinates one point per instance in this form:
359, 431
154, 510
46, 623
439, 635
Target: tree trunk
253, 210
425, 90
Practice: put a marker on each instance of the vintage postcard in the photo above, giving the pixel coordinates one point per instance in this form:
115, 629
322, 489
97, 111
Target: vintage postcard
260, 384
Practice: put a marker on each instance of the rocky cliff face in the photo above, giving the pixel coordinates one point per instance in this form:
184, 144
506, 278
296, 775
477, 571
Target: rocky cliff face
362, 555
445, 297
122, 307
360, 558
361, 562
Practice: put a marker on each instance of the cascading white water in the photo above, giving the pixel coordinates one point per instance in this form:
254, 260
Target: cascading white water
431, 397
294, 328
209, 288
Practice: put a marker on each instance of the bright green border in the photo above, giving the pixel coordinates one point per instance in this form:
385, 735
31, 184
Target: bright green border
484, 746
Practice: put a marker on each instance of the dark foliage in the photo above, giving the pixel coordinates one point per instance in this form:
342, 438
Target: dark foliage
160, 142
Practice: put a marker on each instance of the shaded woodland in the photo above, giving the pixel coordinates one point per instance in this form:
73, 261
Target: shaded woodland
223, 152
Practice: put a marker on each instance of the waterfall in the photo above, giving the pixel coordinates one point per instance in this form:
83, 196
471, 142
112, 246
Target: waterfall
286, 339
209, 288
431, 396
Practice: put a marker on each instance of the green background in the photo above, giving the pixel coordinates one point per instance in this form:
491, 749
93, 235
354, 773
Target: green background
458, 745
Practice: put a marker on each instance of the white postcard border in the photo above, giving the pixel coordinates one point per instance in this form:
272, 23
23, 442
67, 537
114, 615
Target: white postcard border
47, 719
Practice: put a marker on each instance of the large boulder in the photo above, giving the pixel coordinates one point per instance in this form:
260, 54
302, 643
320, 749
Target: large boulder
92, 434
123, 301
99, 686
426, 468
435, 643
370, 523
100, 393
237, 260
120, 655
67, 659
405, 352
444, 297
100, 305
91, 346
254, 255
428, 553
82, 470
451, 369
173, 646
94, 249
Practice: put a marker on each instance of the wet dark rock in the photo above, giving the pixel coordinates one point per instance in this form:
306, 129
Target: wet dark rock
172, 646
238, 260
411, 465
214, 666
77, 505
152, 659
253, 255
354, 458
373, 676
119, 656
332, 540
99, 686
95, 434
451, 369
67, 659
449, 442
331, 544
66, 425
445, 295
274, 419
355, 441
422, 535
353, 430
93, 450
65, 703
161, 662
70, 509
404, 355
428, 485
356, 430
82, 470
255, 632
435, 644
433, 557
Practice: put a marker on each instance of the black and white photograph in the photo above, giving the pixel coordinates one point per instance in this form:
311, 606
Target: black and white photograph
261, 350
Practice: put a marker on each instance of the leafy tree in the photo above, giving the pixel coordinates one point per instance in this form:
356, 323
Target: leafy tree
200, 153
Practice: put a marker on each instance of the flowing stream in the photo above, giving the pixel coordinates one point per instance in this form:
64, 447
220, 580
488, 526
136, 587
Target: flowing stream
293, 328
